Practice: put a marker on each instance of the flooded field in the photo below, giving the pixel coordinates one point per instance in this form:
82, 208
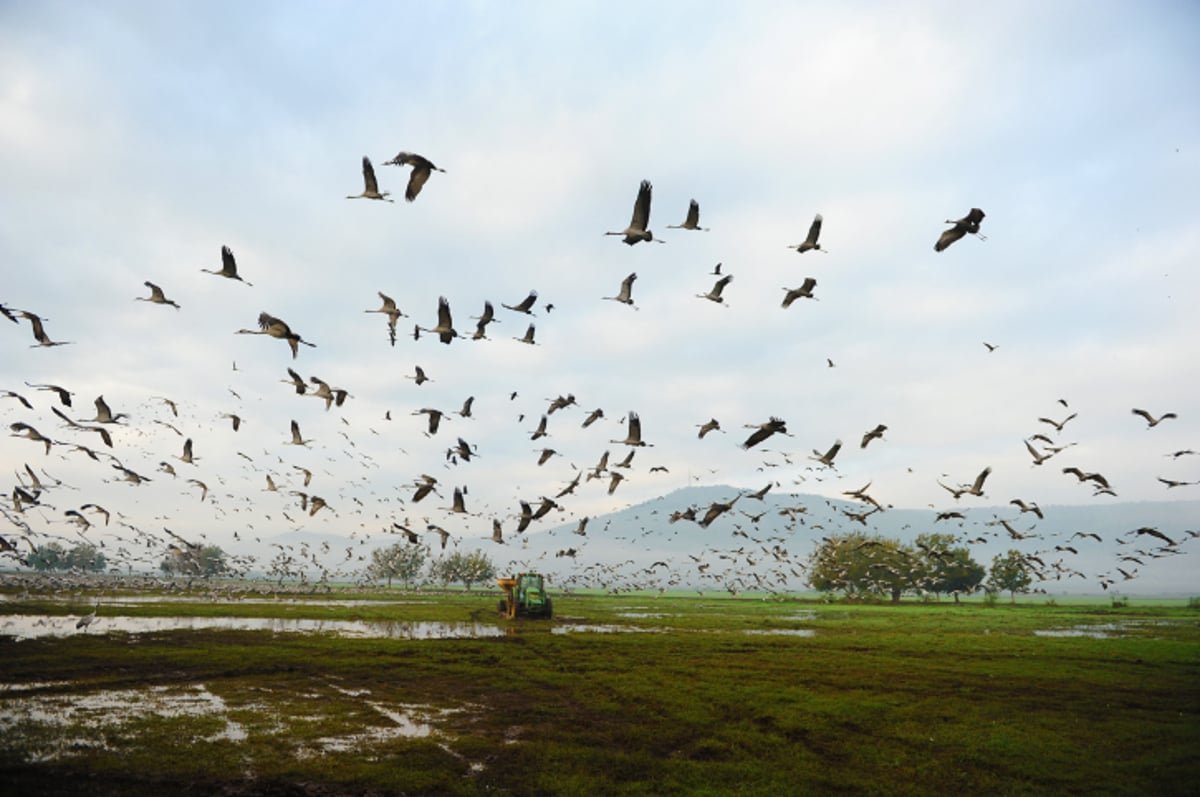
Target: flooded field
38, 626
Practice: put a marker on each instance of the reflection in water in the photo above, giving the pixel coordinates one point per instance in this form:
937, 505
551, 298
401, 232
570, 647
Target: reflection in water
39, 626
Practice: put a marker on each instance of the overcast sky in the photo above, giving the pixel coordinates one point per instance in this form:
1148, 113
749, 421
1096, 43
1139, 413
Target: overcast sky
139, 138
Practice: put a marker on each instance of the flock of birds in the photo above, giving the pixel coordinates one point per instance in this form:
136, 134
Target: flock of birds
43, 508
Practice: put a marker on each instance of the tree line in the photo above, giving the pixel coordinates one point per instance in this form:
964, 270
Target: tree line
868, 567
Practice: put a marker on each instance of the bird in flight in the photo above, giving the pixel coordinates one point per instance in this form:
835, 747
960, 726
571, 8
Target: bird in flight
764, 430
228, 266
421, 169
714, 295
391, 311
638, 224
277, 328
692, 222
810, 243
525, 305
633, 436
1151, 421
39, 331
156, 296
967, 224
803, 292
370, 185
445, 327
625, 296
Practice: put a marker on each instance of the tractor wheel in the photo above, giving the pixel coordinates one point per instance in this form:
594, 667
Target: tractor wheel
549, 612
503, 608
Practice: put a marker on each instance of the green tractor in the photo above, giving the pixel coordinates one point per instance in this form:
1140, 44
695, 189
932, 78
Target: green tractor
525, 596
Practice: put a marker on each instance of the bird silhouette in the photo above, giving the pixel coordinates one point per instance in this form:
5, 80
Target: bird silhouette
421, 169
810, 243
277, 328
805, 291
228, 266
370, 185
967, 224
156, 296
625, 295
692, 222
638, 225
1151, 421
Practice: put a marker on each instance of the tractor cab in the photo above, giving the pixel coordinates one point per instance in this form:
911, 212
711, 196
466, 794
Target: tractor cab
525, 595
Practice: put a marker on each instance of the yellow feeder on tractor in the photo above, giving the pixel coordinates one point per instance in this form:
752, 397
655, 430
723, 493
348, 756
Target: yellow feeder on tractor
524, 596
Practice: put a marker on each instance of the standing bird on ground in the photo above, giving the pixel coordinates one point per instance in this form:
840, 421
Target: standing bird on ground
445, 326
1151, 420
421, 169
967, 224
637, 229
156, 296
87, 619
625, 296
692, 222
228, 266
810, 243
392, 312
39, 331
370, 185
277, 328
803, 292
714, 295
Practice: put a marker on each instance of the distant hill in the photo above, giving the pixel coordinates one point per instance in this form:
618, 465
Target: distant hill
621, 546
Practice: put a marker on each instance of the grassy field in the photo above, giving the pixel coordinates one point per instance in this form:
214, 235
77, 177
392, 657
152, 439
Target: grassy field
616, 695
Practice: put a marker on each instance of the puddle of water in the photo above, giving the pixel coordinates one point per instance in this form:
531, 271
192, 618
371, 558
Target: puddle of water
1102, 630
92, 712
645, 614
781, 631
40, 626
597, 628
89, 718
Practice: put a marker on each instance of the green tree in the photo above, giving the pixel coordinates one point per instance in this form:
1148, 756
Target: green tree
1010, 572
860, 566
946, 568
401, 560
85, 558
205, 561
47, 557
471, 568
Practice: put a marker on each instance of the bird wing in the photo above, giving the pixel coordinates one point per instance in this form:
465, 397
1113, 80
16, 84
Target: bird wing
635, 427
641, 207
416, 181
444, 321
814, 231
369, 176
978, 485
948, 237
693, 214
228, 264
